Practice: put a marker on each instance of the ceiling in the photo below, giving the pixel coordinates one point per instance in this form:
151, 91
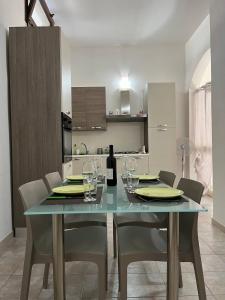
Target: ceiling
128, 22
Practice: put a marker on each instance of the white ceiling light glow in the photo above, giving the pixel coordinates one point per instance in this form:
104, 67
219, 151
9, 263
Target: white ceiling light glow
125, 83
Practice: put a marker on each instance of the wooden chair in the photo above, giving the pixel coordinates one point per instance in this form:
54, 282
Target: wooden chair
83, 244
136, 243
151, 220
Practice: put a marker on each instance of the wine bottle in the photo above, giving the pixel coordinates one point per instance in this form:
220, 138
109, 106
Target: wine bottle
111, 168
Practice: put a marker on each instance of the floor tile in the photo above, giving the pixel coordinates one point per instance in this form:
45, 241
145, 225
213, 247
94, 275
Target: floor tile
216, 282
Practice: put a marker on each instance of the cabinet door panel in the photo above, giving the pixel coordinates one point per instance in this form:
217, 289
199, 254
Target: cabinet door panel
78, 109
67, 169
162, 150
89, 108
142, 165
78, 165
96, 108
96, 121
79, 121
161, 104
66, 103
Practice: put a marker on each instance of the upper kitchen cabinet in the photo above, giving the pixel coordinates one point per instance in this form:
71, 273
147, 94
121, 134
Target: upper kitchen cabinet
78, 109
89, 108
161, 102
39, 77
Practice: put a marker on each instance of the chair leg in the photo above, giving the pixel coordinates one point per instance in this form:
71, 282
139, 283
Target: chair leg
106, 273
123, 280
114, 240
45, 277
101, 280
199, 273
27, 269
180, 277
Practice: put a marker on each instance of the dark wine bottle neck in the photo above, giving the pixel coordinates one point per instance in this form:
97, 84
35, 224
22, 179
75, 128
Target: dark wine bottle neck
111, 150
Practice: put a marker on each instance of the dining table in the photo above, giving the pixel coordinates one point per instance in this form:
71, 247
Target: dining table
115, 199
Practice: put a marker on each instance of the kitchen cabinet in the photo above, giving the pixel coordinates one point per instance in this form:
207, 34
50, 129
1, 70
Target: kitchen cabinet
39, 89
161, 101
142, 163
77, 164
67, 170
162, 150
65, 53
89, 108
161, 104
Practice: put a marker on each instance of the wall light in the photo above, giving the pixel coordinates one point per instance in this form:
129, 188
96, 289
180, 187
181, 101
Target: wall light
125, 83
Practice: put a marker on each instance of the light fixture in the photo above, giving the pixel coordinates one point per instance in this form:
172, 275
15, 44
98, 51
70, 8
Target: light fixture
125, 83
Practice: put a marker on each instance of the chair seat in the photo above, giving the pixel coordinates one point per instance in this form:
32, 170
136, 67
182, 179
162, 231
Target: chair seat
153, 220
147, 242
84, 241
81, 220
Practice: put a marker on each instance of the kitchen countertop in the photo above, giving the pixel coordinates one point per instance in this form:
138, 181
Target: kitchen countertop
105, 155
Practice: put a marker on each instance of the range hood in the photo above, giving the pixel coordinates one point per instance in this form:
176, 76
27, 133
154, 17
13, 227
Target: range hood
125, 102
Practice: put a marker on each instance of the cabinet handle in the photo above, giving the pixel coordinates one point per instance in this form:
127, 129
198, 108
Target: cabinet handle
77, 127
162, 129
76, 158
98, 127
93, 127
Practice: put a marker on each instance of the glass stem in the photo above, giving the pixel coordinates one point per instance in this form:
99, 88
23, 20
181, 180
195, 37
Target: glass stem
89, 190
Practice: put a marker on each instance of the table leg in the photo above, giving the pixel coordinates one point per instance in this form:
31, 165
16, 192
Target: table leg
58, 257
173, 257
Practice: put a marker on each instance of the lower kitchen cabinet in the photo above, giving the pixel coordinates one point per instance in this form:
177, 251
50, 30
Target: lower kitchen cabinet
142, 163
67, 169
77, 164
162, 150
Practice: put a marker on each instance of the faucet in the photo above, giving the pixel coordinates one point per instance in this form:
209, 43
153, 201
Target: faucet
85, 146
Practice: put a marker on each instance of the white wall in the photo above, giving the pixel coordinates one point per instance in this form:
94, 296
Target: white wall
217, 11
156, 63
11, 14
195, 48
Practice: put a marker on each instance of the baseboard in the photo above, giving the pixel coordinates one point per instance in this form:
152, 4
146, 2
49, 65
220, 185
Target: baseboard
217, 224
6, 239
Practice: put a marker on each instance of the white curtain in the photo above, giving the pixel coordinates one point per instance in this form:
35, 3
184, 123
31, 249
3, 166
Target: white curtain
201, 136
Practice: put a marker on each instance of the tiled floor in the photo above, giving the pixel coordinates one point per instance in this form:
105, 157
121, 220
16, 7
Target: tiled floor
146, 280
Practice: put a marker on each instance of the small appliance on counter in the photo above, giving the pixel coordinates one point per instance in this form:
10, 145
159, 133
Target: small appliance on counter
99, 150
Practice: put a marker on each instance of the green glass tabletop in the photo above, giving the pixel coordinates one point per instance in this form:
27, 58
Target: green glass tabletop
115, 200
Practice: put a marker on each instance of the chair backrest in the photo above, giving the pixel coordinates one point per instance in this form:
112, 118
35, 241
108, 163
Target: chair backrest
167, 177
32, 193
52, 180
189, 221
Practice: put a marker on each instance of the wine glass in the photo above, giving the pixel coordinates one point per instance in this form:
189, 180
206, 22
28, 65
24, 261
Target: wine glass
98, 169
131, 165
88, 174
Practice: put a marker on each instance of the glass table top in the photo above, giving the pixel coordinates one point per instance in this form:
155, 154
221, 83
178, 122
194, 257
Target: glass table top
115, 200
